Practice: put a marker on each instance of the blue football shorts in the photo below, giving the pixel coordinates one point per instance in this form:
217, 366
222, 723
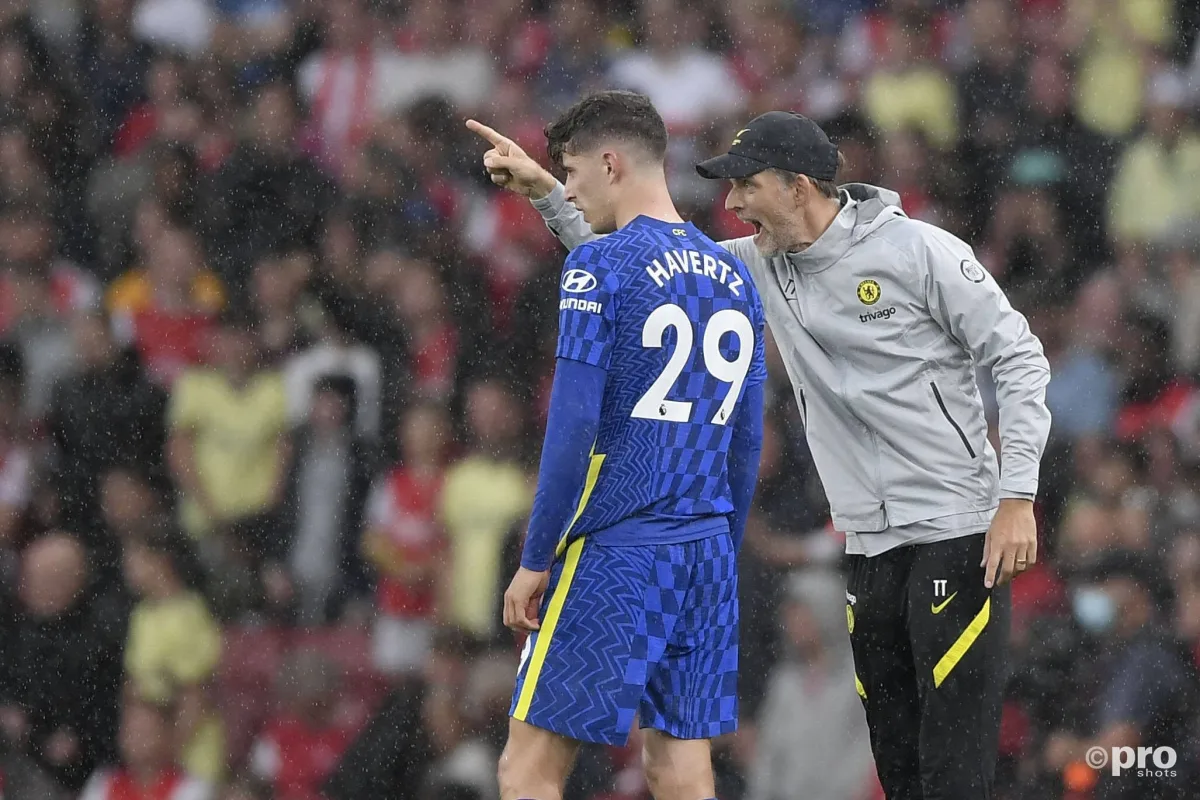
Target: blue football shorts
647, 633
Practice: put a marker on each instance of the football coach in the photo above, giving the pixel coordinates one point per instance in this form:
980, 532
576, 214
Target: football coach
882, 322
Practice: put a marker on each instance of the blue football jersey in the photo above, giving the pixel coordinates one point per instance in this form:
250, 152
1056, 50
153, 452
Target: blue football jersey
676, 321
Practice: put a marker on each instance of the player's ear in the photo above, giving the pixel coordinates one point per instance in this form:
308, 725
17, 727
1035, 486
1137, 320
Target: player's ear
612, 164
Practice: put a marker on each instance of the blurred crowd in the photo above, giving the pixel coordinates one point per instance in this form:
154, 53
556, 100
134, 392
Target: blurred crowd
274, 362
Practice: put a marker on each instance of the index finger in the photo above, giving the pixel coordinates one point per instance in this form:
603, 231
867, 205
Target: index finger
493, 136
994, 563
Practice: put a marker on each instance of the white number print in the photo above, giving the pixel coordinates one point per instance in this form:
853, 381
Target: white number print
654, 403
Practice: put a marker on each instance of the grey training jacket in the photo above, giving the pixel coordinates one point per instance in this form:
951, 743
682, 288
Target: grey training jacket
881, 323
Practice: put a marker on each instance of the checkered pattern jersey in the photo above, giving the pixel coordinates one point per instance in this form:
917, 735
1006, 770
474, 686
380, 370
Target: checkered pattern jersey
612, 311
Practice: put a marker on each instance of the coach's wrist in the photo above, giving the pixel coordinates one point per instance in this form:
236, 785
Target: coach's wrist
1017, 503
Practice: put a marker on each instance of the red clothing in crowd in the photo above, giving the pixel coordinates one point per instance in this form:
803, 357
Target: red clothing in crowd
435, 361
70, 289
296, 756
404, 509
120, 784
1136, 420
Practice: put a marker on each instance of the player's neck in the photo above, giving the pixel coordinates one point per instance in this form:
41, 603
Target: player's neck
646, 199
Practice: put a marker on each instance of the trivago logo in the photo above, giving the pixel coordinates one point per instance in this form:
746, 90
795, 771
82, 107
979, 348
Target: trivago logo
1144, 762
883, 313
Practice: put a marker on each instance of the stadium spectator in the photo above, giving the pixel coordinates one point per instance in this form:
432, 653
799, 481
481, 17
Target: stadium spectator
1113, 47
174, 646
484, 493
27, 242
276, 296
228, 451
107, 414
343, 83
400, 743
687, 84
1082, 394
130, 505
59, 670
301, 743
183, 25
1074, 162
990, 100
1137, 680
148, 768
267, 196
576, 56
165, 305
324, 506
807, 734
469, 727
372, 321
403, 542
422, 307
1150, 195
111, 65
908, 91
169, 113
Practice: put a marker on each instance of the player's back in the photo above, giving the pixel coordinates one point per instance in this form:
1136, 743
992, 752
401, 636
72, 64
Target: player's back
677, 323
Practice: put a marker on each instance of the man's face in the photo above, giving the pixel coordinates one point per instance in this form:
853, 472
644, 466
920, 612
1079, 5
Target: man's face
771, 206
144, 731
589, 187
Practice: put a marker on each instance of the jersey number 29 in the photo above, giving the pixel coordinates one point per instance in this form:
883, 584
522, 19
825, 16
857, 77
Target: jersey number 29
654, 403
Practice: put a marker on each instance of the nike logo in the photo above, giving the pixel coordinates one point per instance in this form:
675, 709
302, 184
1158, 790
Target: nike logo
937, 609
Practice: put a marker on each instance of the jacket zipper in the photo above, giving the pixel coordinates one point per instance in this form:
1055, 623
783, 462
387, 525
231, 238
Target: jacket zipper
942, 405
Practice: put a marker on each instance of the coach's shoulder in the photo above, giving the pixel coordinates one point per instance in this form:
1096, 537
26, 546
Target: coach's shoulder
923, 245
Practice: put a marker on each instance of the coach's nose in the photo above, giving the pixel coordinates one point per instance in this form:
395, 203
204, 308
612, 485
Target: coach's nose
733, 202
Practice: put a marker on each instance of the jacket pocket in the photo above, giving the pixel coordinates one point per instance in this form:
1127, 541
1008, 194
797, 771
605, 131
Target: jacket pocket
946, 413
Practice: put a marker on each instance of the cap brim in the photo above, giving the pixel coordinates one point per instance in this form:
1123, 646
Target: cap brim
730, 165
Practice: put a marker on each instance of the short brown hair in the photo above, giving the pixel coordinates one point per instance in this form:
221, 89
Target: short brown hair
611, 114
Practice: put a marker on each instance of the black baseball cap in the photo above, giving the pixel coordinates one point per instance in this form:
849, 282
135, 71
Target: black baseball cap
780, 140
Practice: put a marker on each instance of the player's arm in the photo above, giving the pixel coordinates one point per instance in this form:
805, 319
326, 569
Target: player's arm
567, 224
745, 449
586, 322
571, 427
745, 445
512, 168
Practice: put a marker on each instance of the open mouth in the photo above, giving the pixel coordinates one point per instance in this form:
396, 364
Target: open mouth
757, 226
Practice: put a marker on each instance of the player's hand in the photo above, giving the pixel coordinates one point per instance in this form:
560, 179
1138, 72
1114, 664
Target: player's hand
511, 167
1010, 546
522, 599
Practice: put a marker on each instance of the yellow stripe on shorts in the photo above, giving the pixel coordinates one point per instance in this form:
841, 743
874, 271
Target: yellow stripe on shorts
559, 599
961, 645
858, 687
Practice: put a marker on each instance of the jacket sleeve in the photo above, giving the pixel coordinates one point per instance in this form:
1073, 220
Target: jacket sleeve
567, 224
563, 219
971, 307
